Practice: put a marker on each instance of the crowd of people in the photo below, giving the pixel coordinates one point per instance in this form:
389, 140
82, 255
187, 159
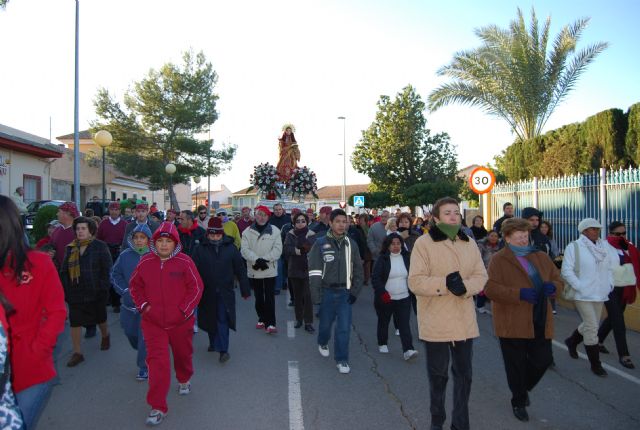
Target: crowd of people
169, 276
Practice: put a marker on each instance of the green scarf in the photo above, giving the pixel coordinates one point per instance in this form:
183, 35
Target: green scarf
451, 231
143, 250
74, 259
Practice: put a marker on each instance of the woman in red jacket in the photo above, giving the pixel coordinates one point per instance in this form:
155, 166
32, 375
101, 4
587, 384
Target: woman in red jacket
30, 282
166, 288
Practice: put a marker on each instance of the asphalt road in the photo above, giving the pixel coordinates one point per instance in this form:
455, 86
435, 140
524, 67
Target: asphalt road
281, 382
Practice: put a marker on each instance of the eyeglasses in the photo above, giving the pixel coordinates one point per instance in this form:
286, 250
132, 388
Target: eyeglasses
619, 233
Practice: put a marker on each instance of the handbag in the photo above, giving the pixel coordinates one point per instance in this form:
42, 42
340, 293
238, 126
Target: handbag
624, 275
569, 293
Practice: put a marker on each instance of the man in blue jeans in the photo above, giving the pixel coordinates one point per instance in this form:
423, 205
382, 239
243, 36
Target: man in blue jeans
335, 279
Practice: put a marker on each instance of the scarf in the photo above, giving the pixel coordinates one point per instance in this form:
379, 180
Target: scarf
301, 232
143, 250
451, 231
187, 230
540, 308
596, 249
338, 239
259, 227
74, 259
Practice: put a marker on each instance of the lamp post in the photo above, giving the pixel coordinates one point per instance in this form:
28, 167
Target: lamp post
76, 119
344, 158
196, 179
170, 168
103, 139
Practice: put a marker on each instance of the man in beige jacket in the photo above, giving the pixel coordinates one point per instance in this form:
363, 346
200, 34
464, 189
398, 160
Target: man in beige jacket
446, 271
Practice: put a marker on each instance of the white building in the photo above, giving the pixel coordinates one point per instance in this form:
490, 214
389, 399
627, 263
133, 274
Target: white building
25, 161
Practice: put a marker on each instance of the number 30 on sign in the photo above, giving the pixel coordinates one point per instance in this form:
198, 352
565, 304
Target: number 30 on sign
482, 180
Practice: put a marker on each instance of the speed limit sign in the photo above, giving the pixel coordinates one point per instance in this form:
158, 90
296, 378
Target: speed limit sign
481, 180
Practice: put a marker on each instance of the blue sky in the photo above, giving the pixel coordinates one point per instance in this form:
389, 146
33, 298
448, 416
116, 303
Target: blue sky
299, 61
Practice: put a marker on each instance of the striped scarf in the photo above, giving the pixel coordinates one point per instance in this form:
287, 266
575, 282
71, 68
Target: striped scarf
74, 259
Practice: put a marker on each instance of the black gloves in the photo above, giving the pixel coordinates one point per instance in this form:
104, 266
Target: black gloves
260, 264
455, 284
352, 299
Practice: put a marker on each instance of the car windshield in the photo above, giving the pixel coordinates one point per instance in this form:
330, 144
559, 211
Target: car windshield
34, 206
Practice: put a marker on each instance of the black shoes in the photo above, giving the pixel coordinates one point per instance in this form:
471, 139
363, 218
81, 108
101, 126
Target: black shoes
603, 349
626, 362
224, 357
572, 343
211, 349
593, 353
309, 328
520, 412
298, 324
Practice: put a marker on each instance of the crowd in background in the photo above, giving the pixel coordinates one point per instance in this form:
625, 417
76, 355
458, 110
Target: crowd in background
170, 275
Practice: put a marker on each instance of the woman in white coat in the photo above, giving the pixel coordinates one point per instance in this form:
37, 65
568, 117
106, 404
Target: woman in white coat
587, 268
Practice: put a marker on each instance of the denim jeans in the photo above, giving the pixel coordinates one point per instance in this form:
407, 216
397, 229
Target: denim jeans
334, 306
32, 401
280, 278
220, 339
438, 354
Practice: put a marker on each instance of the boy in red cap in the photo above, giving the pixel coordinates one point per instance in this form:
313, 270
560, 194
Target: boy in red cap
166, 288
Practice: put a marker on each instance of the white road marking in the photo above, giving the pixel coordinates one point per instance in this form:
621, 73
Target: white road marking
608, 367
291, 331
296, 421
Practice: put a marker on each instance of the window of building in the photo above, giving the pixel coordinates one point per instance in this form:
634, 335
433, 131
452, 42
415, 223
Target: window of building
32, 188
144, 198
135, 196
113, 196
124, 196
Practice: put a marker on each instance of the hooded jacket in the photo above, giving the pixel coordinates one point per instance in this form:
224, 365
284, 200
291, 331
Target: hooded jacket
536, 238
125, 266
170, 288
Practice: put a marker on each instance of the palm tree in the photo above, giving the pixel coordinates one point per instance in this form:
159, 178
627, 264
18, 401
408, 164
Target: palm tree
511, 75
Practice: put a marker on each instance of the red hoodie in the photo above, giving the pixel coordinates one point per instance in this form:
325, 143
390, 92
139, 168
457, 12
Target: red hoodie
171, 288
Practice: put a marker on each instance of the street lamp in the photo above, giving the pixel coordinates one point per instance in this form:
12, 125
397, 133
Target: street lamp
196, 179
103, 139
344, 158
170, 168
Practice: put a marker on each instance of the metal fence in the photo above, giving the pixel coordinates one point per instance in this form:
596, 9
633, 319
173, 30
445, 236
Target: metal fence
605, 195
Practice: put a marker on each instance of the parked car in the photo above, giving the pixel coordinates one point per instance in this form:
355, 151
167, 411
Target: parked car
97, 207
32, 210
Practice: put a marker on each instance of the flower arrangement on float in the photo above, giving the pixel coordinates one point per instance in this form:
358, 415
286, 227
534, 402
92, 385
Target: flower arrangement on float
303, 181
265, 180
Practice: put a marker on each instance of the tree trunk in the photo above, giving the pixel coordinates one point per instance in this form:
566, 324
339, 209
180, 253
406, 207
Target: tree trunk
173, 199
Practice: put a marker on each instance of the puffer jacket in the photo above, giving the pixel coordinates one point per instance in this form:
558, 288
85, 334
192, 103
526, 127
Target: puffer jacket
266, 245
334, 264
171, 288
443, 316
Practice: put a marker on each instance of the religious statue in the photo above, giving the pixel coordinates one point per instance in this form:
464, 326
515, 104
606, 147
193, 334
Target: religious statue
289, 154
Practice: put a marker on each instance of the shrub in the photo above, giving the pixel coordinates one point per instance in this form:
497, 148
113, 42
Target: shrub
44, 215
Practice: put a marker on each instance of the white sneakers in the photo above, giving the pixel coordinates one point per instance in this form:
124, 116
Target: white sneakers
397, 332
384, 349
324, 350
155, 417
409, 354
184, 389
343, 368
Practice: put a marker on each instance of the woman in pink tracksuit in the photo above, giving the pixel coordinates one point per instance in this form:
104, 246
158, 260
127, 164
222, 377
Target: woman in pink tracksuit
166, 288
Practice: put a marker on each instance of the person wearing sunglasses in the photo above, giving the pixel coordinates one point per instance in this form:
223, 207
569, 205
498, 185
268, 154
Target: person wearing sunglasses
621, 295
